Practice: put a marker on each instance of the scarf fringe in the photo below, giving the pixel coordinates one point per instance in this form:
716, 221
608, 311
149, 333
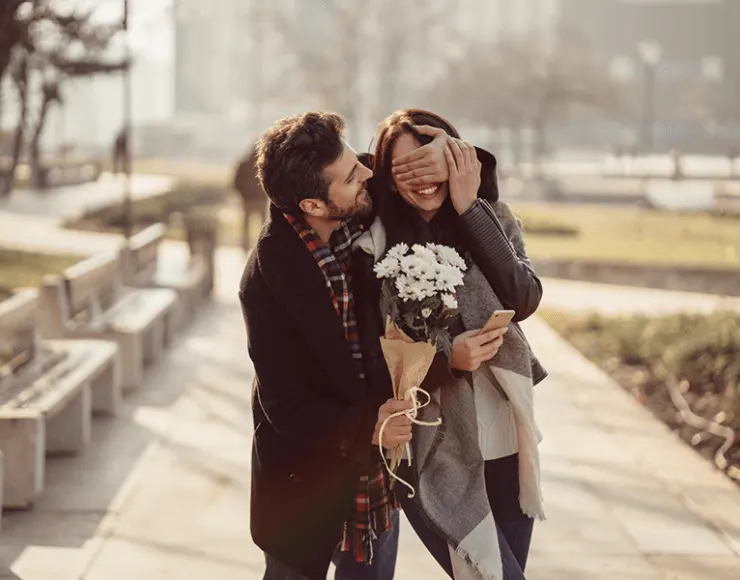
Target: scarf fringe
475, 565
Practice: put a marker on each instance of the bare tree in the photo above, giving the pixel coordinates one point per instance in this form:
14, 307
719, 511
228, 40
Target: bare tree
50, 45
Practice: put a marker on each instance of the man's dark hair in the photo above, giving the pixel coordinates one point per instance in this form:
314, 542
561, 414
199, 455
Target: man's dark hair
292, 156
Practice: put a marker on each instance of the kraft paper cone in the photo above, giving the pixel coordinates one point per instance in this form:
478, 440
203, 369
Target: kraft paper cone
408, 363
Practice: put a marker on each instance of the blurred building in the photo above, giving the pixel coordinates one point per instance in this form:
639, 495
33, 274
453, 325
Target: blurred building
679, 59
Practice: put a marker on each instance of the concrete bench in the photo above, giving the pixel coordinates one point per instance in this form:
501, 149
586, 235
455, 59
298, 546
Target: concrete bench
187, 276
90, 300
49, 390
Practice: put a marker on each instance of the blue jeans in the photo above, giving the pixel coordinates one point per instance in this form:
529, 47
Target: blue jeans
383, 566
514, 528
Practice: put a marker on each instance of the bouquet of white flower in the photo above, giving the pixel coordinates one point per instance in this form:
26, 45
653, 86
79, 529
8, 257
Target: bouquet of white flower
419, 289
418, 293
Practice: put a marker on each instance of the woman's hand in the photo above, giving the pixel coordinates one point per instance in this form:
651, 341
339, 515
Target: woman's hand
472, 348
427, 164
464, 166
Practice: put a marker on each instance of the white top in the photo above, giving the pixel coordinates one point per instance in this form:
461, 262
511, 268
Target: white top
496, 422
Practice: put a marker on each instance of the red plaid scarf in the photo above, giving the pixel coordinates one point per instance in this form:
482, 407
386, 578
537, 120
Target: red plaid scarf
374, 502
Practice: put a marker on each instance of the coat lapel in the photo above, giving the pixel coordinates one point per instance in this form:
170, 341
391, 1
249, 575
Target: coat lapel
291, 272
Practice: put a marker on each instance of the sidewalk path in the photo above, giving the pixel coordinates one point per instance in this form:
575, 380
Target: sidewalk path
74, 200
610, 299
163, 493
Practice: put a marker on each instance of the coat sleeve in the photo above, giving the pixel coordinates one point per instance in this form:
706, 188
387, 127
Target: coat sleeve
494, 237
284, 393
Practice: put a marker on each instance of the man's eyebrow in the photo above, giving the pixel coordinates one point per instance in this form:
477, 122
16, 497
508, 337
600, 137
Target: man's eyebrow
351, 175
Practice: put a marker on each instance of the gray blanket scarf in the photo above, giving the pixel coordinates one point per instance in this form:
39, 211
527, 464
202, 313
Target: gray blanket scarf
448, 465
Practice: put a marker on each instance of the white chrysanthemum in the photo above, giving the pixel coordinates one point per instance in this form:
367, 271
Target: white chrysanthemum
413, 266
424, 253
427, 288
426, 313
448, 279
449, 257
403, 285
398, 251
449, 301
387, 268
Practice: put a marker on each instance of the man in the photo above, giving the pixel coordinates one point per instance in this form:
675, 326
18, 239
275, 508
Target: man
318, 491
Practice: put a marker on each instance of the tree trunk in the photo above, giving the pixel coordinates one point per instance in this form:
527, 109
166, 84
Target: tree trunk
4, 178
20, 130
38, 178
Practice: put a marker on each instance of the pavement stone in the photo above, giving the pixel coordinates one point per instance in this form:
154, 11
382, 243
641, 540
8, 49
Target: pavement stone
611, 299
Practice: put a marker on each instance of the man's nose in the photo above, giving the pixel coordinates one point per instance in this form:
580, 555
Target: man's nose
368, 173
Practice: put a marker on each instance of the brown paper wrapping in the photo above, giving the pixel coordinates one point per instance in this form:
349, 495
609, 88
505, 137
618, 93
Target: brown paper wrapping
408, 363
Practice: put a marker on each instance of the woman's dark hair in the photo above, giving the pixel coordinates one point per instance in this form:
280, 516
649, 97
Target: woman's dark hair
292, 156
402, 222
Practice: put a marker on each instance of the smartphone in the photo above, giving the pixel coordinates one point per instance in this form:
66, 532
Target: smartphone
498, 319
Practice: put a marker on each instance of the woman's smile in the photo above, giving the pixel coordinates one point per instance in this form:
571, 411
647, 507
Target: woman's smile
428, 191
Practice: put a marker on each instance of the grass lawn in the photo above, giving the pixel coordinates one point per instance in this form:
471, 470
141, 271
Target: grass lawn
633, 235
25, 269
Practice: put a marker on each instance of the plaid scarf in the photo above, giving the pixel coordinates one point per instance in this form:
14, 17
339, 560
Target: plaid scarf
374, 503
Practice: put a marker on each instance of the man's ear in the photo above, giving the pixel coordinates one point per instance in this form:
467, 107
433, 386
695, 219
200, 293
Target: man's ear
313, 207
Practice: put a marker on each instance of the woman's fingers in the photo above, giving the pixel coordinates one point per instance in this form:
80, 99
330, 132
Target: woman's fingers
487, 352
487, 336
450, 156
458, 154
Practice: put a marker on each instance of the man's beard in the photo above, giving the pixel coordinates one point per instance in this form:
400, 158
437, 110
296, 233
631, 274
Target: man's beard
362, 207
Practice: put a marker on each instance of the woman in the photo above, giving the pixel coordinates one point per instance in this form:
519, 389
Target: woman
487, 380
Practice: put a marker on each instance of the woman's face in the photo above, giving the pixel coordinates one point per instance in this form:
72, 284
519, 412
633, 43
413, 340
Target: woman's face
425, 200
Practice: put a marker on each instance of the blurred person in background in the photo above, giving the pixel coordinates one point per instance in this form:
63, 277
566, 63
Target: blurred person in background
254, 200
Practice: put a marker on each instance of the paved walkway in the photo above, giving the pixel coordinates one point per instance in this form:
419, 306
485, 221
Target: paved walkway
74, 200
610, 299
164, 490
